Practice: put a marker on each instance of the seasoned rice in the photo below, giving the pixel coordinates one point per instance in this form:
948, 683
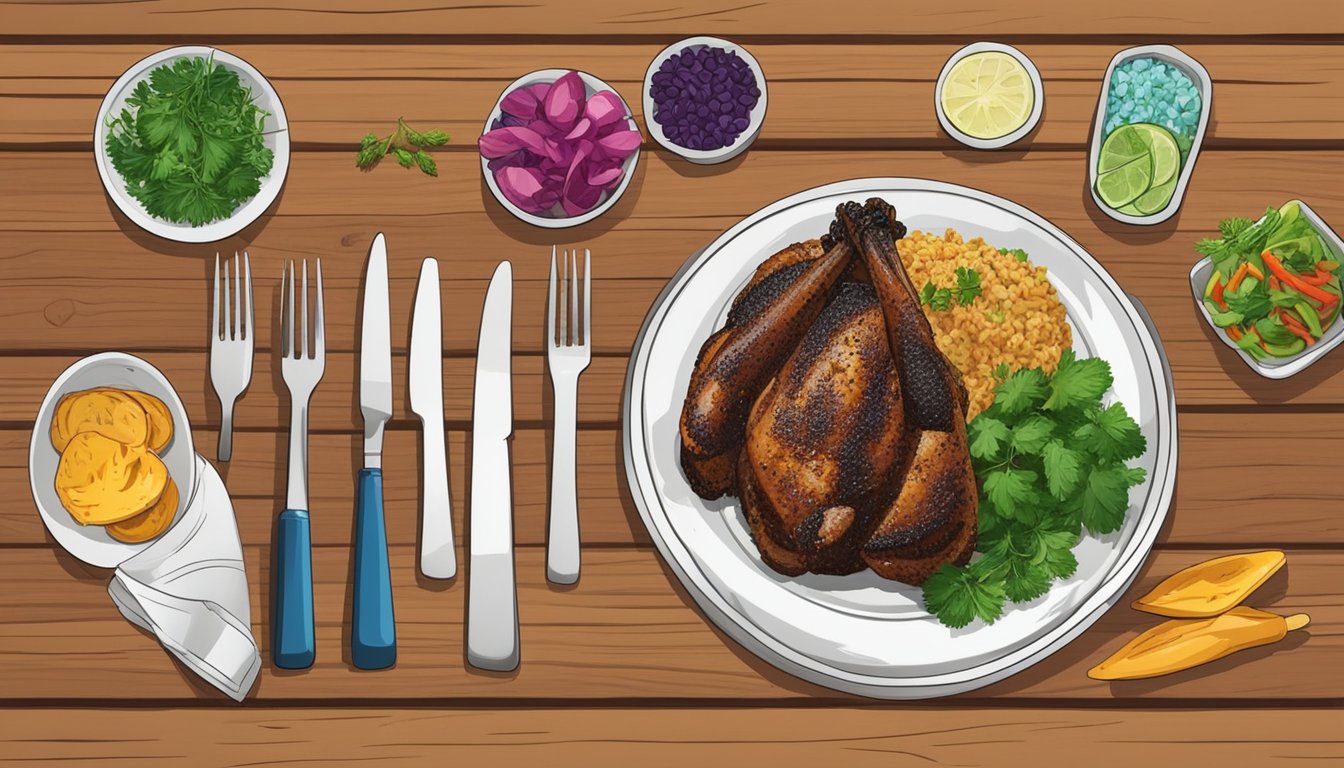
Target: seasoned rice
1017, 320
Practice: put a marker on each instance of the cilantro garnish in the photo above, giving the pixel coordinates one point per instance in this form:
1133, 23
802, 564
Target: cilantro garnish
189, 142
1050, 460
938, 299
1017, 253
968, 285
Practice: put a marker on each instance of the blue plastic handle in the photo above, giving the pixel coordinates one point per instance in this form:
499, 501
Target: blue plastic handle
373, 638
292, 645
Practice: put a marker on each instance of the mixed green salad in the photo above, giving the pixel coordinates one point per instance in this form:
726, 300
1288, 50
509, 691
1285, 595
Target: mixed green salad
1275, 288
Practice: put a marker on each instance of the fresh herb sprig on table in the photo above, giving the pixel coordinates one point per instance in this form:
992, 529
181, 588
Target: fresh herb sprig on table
940, 299
1051, 464
408, 145
189, 142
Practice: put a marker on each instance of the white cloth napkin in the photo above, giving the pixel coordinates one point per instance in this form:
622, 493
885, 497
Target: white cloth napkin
189, 588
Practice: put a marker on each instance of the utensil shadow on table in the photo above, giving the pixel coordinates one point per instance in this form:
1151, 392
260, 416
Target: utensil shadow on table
157, 244
1130, 234
1260, 389
688, 170
534, 235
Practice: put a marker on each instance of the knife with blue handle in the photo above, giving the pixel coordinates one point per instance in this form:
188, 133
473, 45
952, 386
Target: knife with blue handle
373, 634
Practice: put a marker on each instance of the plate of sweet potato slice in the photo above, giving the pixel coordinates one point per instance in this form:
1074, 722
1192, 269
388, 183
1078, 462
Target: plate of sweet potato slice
111, 459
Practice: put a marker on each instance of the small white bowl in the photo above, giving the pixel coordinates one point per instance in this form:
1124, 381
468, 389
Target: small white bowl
591, 85
1278, 367
275, 136
91, 543
1037, 101
754, 120
1200, 77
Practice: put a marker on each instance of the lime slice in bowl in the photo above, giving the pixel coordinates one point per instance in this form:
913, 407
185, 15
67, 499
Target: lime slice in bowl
1155, 199
1166, 154
987, 95
1123, 146
1125, 184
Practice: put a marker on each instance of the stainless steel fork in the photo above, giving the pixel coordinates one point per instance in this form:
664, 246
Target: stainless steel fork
301, 366
568, 354
231, 332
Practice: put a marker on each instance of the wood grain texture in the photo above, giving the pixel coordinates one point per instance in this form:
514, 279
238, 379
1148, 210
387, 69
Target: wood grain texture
876, 736
874, 95
864, 19
73, 284
626, 630
1292, 496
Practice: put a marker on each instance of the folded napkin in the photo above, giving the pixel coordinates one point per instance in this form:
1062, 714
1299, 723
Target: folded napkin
189, 588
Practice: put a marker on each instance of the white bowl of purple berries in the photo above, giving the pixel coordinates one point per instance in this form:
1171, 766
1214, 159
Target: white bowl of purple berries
704, 99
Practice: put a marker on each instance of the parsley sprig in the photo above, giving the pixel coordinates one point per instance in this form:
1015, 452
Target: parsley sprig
189, 142
1050, 459
408, 145
965, 292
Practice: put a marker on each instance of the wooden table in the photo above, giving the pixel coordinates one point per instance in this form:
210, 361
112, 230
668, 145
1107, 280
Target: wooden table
623, 666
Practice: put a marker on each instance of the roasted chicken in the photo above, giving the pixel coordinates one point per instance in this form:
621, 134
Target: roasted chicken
826, 407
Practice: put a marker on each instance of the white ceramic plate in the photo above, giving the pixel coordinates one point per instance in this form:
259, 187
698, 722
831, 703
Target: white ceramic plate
91, 543
276, 138
591, 85
860, 633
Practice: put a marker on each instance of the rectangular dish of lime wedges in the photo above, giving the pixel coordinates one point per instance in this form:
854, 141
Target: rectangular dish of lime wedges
1150, 123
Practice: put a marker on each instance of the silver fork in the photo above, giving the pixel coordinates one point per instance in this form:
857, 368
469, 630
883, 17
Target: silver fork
301, 367
567, 356
231, 343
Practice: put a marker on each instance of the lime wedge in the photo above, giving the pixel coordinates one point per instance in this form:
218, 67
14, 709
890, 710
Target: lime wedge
1130, 209
1166, 155
1155, 199
987, 95
1123, 185
1125, 145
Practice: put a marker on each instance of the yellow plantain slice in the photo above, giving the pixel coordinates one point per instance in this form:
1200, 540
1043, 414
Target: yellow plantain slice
1184, 643
160, 420
150, 523
108, 412
1211, 587
100, 481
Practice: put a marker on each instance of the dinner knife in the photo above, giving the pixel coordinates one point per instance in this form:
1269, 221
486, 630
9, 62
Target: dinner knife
438, 560
373, 635
492, 600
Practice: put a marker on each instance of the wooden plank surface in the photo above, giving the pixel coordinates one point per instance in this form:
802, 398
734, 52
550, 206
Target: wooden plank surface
875, 95
627, 630
155, 296
1223, 494
881, 737
861, 20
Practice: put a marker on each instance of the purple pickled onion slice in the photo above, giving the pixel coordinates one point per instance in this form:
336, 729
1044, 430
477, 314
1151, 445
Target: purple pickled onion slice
525, 102
604, 109
521, 186
580, 198
582, 130
564, 102
603, 176
502, 141
544, 129
620, 144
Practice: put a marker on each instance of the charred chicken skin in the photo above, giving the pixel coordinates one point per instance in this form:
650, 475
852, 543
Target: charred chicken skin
826, 407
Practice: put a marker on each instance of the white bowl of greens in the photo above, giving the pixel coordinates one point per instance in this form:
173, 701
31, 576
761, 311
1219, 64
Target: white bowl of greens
192, 144
1268, 322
